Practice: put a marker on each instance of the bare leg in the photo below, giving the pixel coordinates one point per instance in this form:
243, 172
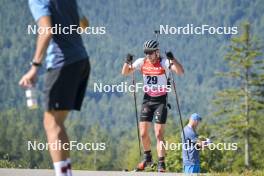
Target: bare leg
144, 133
159, 133
55, 131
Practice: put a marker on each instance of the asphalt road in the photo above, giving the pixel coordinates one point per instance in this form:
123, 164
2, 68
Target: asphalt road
46, 172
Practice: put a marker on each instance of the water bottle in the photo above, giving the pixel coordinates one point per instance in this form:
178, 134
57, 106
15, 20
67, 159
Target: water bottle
31, 96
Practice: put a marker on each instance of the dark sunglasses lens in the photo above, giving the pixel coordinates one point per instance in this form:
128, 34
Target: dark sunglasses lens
149, 52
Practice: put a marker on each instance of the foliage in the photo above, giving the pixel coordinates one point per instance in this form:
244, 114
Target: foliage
241, 106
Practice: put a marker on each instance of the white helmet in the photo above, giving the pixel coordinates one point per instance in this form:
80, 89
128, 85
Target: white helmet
151, 45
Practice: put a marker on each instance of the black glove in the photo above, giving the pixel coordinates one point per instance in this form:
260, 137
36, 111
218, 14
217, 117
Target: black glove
129, 58
169, 55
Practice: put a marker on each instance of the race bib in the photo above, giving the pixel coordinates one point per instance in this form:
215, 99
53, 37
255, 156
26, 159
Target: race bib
155, 80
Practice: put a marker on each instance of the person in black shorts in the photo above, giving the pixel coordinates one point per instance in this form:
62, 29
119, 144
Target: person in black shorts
154, 106
155, 70
67, 73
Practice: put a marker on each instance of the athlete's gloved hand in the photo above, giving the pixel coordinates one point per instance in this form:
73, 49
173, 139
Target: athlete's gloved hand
169, 55
129, 58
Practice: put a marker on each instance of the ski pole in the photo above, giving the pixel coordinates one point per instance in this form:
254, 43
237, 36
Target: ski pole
157, 32
135, 103
177, 103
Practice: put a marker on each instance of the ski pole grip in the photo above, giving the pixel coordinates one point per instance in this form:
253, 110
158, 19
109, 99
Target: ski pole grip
129, 58
169, 55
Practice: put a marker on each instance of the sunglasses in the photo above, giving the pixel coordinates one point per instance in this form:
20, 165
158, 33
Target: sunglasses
149, 52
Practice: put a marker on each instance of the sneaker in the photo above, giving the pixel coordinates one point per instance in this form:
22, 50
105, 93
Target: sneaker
161, 167
143, 164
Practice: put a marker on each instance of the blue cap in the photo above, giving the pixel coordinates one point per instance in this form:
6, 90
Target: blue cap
196, 116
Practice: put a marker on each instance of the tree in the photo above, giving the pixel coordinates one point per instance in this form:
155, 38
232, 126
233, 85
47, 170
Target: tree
241, 105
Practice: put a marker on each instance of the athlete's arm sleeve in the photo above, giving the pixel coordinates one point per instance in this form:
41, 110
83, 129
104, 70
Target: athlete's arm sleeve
39, 8
138, 63
166, 64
